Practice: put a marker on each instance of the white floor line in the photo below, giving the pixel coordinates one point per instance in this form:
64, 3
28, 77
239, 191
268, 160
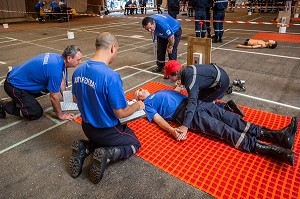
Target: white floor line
255, 18
1, 62
10, 125
265, 100
31, 137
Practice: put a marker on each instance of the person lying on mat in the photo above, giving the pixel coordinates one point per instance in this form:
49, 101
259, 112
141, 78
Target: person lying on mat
254, 43
169, 105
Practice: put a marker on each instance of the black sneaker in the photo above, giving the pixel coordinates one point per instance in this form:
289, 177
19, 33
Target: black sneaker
232, 107
79, 152
158, 69
2, 112
99, 165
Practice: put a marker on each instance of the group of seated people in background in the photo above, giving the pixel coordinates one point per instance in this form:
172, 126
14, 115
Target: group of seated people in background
131, 7
268, 5
57, 10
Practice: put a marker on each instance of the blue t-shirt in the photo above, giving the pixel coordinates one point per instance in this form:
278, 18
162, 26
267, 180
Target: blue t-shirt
164, 102
98, 91
54, 4
166, 26
42, 72
39, 5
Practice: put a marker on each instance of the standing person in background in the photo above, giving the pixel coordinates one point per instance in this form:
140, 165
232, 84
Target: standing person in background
232, 5
288, 5
208, 17
219, 15
38, 76
173, 8
168, 32
128, 7
200, 14
37, 7
190, 8
101, 102
158, 4
143, 6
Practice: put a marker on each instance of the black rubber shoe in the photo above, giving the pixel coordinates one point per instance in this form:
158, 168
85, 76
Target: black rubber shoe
232, 107
99, 165
2, 112
158, 69
79, 153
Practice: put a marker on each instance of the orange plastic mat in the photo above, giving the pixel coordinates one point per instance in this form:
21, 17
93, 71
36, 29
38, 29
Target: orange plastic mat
215, 167
278, 37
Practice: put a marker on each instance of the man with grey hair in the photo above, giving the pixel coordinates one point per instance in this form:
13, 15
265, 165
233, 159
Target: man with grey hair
40, 75
101, 102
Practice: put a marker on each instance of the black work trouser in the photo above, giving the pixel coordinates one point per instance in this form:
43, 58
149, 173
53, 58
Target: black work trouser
229, 127
162, 45
23, 103
120, 136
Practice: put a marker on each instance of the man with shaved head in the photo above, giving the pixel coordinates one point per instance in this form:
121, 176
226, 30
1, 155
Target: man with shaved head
101, 102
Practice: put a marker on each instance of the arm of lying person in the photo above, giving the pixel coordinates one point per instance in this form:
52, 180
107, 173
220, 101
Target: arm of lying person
250, 47
162, 123
129, 110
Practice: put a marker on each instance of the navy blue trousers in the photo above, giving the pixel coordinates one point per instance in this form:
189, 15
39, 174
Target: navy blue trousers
227, 126
200, 30
22, 101
217, 92
118, 136
162, 45
218, 26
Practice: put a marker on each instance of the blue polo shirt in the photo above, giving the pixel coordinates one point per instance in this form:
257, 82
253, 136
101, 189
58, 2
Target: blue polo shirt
42, 72
166, 26
164, 102
39, 4
98, 91
54, 4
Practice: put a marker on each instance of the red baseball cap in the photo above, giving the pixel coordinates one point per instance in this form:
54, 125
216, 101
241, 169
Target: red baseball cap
171, 67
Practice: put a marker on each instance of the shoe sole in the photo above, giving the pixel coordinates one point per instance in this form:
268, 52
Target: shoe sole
236, 108
291, 159
75, 168
295, 129
294, 132
98, 166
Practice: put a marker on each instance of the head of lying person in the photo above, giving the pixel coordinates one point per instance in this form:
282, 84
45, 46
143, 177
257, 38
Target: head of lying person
141, 94
272, 44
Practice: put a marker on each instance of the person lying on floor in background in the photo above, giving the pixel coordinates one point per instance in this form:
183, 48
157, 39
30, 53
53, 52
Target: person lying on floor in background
210, 119
255, 43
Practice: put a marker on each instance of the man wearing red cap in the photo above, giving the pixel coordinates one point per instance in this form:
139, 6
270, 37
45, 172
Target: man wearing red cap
205, 82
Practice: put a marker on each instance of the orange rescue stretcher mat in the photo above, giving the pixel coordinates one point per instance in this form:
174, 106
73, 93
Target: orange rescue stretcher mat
295, 38
216, 168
